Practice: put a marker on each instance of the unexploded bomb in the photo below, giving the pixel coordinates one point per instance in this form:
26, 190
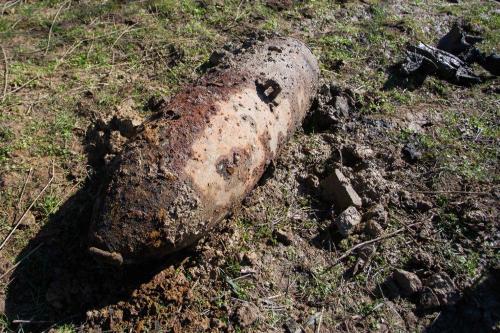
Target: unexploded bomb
203, 152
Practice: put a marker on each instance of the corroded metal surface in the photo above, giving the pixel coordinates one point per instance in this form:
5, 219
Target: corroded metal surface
203, 152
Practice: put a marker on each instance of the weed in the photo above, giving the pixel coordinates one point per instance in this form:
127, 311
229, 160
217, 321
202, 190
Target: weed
68, 328
367, 308
4, 322
49, 204
239, 287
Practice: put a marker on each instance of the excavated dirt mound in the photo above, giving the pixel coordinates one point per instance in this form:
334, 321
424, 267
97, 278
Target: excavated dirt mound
274, 263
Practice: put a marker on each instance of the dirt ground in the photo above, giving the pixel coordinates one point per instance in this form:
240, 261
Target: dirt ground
79, 76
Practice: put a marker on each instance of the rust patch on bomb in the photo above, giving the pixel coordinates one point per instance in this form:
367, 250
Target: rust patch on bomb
202, 153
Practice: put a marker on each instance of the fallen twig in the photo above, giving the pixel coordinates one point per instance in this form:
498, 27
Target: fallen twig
8, 4
69, 51
20, 261
52, 25
371, 241
24, 188
20, 87
123, 33
451, 192
28, 209
318, 329
34, 322
6, 73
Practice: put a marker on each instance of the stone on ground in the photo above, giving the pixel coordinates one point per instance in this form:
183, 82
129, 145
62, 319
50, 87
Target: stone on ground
347, 221
338, 189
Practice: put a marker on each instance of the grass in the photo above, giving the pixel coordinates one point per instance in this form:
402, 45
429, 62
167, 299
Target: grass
112, 51
319, 285
66, 329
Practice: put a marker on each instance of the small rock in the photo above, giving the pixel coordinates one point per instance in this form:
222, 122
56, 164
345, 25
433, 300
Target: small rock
373, 229
408, 282
284, 237
342, 105
333, 103
337, 188
347, 221
247, 314
2, 303
476, 216
366, 252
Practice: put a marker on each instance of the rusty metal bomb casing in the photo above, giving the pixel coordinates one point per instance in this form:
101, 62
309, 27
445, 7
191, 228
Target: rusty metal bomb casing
202, 153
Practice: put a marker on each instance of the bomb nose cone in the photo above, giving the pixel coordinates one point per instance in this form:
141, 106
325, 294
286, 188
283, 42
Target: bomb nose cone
111, 258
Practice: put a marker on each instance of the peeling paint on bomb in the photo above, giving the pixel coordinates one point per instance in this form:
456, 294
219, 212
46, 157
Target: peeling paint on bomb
202, 153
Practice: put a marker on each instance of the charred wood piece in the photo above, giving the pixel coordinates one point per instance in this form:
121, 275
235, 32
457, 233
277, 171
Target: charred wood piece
429, 60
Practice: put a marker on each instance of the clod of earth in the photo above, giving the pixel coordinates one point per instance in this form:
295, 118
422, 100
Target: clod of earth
203, 152
373, 229
247, 314
408, 282
332, 104
284, 237
439, 290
